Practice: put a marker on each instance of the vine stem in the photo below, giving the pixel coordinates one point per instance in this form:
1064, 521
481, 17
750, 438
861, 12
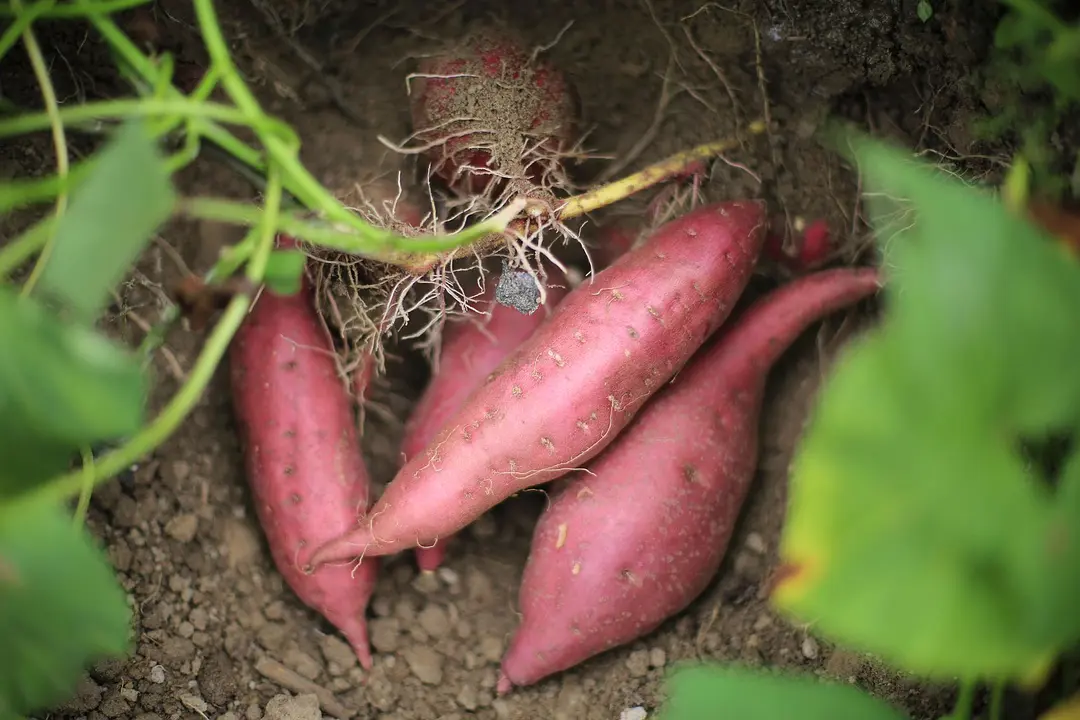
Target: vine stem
52, 111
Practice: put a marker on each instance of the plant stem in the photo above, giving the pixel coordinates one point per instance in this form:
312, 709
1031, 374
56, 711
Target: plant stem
83, 9
87, 487
23, 247
52, 111
965, 699
997, 700
115, 109
23, 20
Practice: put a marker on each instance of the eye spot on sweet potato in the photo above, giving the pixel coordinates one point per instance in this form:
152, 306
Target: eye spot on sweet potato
561, 539
537, 375
579, 337
575, 569
632, 332
290, 433
582, 426
691, 474
294, 499
548, 445
516, 391
288, 365
289, 470
655, 313
556, 357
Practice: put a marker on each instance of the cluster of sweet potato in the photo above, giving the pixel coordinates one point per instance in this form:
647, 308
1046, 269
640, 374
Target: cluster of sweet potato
631, 390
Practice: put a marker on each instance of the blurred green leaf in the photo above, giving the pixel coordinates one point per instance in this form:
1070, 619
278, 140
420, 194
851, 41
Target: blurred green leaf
909, 498
60, 607
61, 387
112, 215
924, 10
284, 271
717, 693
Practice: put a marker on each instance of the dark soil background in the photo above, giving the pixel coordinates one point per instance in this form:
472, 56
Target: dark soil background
218, 634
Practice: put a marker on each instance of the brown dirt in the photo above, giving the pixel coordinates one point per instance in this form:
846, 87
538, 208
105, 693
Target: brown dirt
179, 528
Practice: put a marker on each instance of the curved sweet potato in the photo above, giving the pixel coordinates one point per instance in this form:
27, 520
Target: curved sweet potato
471, 350
301, 453
570, 389
634, 541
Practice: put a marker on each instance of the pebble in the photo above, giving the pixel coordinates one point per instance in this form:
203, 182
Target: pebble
478, 587
301, 707
425, 663
435, 621
302, 663
467, 697
756, 543
810, 649
193, 702
183, 528
491, 648
253, 712
272, 636
157, 674
404, 611
240, 543
638, 663
198, 618
426, 583
502, 708
633, 713
571, 703
338, 654
275, 611
385, 634
657, 657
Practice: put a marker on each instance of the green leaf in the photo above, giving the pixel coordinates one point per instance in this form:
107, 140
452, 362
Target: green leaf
61, 387
924, 10
710, 692
909, 498
60, 607
112, 215
284, 271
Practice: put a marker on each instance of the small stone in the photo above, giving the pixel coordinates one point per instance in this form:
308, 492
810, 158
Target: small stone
229, 716
302, 663
426, 583
571, 704
217, 680
435, 620
130, 694
501, 708
338, 654
478, 587
491, 648
301, 707
240, 544
756, 543
183, 528
193, 702
381, 606
633, 713
638, 663
517, 289
185, 630
810, 649
657, 657
467, 697
275, 611
385, 634
272, 636
198, 618
157, 674
448, 576
404, 611
425, 663
253, 712
114, 706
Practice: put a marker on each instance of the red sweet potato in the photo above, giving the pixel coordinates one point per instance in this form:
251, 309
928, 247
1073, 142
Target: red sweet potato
489, 111
301, 451
811, 250
471, 350
572, 387
626, 546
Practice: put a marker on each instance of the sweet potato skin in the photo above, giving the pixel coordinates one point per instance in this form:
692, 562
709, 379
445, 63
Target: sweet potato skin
301, 452
623, 548
569, 390
470, 351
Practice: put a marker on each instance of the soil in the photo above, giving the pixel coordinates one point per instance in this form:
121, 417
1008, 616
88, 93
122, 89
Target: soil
213, 618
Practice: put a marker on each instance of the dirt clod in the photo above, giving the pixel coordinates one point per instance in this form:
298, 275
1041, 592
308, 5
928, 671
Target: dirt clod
425, 663
299, 707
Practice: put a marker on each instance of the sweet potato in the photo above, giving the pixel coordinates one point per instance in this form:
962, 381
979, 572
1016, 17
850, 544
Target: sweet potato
302, 456
488, 111
471, 350
811, 250
572, 387
624, 547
